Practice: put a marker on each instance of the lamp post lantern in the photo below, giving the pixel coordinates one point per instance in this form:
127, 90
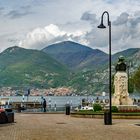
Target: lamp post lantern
102, 26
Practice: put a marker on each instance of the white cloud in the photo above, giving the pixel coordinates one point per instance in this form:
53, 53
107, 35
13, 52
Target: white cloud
125, 34
87, 16
42, 37
62, 18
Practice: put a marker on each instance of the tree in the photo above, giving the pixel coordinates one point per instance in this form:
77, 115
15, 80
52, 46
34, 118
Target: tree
130, 85
137, 79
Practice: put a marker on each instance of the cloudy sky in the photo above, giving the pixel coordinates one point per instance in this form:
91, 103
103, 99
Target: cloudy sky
37, 23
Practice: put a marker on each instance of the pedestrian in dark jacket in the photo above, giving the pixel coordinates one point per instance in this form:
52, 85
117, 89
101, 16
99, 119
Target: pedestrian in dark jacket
44, 105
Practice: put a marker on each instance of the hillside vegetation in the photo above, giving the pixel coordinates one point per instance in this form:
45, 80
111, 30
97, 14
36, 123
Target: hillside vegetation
23, 67
67, 64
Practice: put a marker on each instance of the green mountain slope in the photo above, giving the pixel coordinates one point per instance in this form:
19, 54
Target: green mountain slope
76, 56
93, 81
126, 53
132, 58
24, 67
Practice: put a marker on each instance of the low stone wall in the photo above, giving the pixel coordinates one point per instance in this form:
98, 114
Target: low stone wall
101, 116
128, 107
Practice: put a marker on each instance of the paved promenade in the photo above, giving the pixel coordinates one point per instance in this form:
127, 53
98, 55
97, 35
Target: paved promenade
62, 127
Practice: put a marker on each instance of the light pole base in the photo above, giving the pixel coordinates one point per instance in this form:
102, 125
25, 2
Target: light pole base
107, 118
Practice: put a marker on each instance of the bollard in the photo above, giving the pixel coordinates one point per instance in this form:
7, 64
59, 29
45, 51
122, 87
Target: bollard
107, 119
67, 109
19, 108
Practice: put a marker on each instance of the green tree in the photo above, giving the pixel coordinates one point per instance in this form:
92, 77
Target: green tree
136, 79
97, 107
130, 85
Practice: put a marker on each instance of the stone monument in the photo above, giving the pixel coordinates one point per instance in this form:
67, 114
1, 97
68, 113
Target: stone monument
121, 95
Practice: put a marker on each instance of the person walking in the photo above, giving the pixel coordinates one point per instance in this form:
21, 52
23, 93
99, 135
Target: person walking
44, 105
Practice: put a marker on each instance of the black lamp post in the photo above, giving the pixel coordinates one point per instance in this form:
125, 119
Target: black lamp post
102, 27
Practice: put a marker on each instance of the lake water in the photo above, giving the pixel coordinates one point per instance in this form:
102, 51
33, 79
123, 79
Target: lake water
58, 101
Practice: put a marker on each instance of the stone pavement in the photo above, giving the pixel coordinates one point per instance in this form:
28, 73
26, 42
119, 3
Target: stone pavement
62, 127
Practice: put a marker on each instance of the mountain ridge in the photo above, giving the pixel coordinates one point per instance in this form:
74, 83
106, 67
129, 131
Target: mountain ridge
75, 56
26, 67
35, 68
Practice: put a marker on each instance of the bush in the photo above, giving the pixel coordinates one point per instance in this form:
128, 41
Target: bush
114, 109
97, 107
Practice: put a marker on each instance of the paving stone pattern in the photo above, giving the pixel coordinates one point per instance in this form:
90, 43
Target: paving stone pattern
64, 127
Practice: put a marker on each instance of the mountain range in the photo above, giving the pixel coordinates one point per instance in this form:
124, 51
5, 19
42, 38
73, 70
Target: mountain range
76, 56
63, 64
25, 67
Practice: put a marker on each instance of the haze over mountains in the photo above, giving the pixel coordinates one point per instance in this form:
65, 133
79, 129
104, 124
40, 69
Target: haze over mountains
62, 64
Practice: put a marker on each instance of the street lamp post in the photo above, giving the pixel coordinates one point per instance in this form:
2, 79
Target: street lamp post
102, 27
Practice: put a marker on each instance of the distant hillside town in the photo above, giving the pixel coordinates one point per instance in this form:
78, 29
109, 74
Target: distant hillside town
61, 91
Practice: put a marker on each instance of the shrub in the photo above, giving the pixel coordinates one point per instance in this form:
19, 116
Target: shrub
97, 107
114, 109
